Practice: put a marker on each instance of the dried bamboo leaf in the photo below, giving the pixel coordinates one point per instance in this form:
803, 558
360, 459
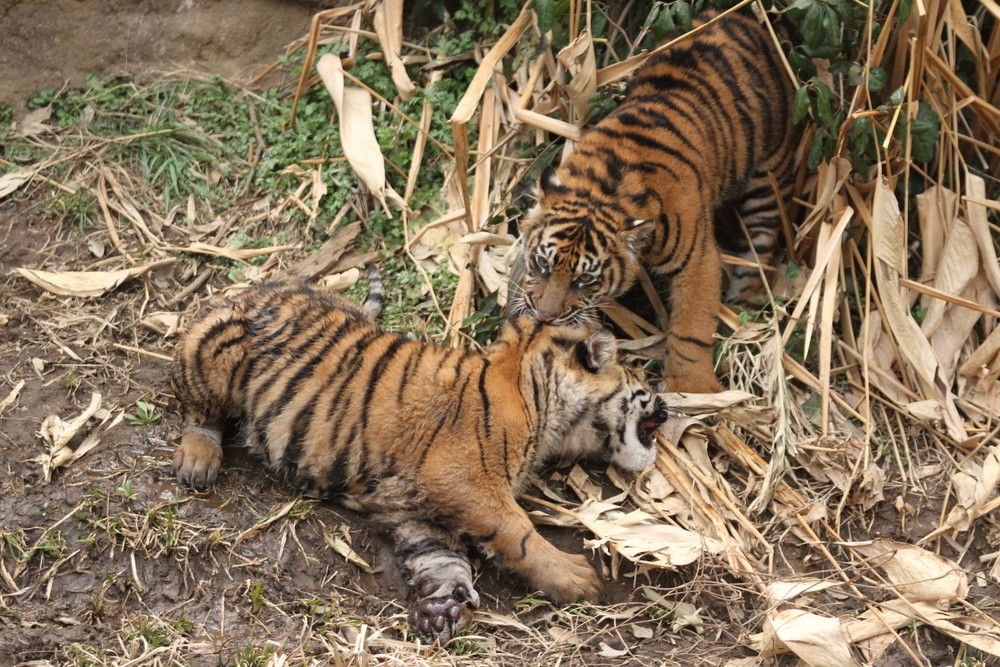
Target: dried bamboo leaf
937, 207
889, 239
338, 282
357, 130
974, 486
578, 59
981, 634
958, 266
818, 640
388, 23
975, 186
87, 283
340, 542
165, 324
784, 590
12, 181
11, 397
916, 574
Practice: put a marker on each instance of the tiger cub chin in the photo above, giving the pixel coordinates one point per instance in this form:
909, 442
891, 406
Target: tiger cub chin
704, 125
433, 442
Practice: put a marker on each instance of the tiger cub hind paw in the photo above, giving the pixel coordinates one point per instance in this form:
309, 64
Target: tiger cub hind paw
439, 617
198, 458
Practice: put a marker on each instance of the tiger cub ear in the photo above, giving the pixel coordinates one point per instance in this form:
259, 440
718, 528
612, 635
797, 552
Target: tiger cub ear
639, 234
598, 351
549, 182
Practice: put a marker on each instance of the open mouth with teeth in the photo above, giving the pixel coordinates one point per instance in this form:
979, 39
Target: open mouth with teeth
649, 426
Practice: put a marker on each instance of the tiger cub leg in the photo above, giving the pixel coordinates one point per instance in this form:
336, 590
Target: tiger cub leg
694, 306
505, 531
439, 571
199, 454
761, 216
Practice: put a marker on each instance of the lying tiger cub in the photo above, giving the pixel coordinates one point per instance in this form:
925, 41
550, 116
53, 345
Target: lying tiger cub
433, 442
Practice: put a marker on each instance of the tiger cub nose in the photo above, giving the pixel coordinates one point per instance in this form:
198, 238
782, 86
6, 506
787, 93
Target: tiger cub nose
546, 317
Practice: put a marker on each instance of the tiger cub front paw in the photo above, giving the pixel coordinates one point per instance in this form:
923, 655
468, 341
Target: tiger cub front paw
198, 457
570, 579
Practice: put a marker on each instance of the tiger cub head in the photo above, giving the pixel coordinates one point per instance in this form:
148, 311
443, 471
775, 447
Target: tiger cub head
580, 248
597, 407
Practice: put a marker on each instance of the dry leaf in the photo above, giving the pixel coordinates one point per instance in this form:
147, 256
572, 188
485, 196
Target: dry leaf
357, 130
235, 254
783, 590
980, 634
719, 401
641, 537
958, 266
34, 122
608, 652
11, 397
388, 23
818, 640
578, 59
888, 233
341, 543
338, 282
488, 238
165, 324
87, 283
58, 433
916, 574
565, 636
12, 181
974, 485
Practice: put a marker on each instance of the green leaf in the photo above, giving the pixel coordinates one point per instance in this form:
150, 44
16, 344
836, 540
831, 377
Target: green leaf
800, 108
831, 27
662, 24
877, 78
812, 26
904, 9
793, 269
682, 15
896, 98
823, 96
546, 14
817, 148
801, 63
924, 133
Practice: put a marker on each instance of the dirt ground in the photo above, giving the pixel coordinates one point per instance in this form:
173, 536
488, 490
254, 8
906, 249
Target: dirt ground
108, 561
49, 44
112, 561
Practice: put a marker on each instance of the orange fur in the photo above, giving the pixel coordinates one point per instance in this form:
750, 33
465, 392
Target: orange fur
703, 126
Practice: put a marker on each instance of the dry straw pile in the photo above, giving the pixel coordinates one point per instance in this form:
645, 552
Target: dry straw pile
886, 408
893, 398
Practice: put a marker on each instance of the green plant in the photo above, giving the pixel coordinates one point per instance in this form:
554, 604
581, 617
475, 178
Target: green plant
256, 596
145, 413
253, 656
126, 489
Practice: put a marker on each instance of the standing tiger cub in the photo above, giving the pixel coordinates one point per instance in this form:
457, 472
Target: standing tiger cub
433, 442
703, 125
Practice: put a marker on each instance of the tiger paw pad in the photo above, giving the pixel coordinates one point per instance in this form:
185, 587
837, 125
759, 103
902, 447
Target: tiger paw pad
438, 618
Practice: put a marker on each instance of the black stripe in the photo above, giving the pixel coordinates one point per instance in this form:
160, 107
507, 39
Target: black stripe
693, 341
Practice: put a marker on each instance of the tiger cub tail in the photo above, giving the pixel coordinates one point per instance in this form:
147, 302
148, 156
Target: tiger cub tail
375, 300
